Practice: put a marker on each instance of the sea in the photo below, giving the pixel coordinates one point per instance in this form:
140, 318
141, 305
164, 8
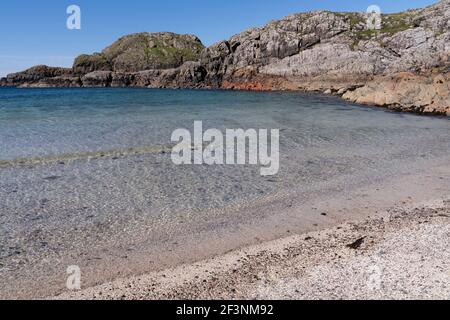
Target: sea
86, 175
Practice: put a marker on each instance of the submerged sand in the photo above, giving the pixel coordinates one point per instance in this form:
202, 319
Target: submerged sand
246, 263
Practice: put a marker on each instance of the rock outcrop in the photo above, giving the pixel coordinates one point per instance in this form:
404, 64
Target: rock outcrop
406, 92
400, 66
36, 74
142, 51
133, 60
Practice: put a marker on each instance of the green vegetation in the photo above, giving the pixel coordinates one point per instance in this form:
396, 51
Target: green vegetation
157, 51
391, 24
397, 22
353, 18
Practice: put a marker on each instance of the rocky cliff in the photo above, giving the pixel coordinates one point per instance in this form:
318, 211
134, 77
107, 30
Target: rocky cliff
404, 66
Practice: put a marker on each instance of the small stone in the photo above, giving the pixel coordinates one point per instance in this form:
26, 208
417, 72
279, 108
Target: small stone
52, 178
357, 244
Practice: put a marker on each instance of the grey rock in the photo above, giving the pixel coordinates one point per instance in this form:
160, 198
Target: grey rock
34, 75
97, 79
85, 64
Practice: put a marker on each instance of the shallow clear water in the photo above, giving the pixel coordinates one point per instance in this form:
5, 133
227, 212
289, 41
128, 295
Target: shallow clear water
81, 206
322, 140
42, 122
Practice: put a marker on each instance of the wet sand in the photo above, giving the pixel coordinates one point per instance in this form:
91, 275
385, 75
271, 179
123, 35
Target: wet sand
119, 249
37, 267
402, 253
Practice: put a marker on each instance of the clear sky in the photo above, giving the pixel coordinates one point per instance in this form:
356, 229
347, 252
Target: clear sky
34, 32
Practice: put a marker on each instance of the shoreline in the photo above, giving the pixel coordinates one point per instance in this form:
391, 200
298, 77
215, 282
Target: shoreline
369, 94
227, 231
348, 217
118, 215
369, 259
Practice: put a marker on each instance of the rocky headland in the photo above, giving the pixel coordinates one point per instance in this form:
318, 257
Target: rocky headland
404, 66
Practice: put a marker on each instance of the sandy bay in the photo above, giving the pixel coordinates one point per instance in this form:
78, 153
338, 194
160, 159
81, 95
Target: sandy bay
95, 186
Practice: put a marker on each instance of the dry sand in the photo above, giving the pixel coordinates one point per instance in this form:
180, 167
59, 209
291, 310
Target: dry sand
402, 253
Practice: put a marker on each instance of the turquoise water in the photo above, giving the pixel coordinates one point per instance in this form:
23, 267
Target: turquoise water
43, 122
322, 140
84, 179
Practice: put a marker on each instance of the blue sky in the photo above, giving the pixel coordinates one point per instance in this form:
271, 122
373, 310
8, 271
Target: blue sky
34, 32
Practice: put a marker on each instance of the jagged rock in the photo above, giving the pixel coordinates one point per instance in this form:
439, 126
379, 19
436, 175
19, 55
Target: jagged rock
406, 92
121, 79
35, 74
55, 82
147, 78
189, 75
97, 79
